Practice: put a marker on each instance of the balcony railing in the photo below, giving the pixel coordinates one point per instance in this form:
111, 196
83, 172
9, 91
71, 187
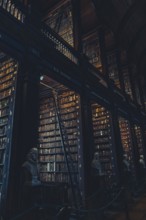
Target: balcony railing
61, 45
10, 7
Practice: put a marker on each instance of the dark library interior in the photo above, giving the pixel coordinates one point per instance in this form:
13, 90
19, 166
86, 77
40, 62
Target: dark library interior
72, 110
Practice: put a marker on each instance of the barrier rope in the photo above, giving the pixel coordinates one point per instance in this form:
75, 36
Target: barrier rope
101, 208
76, 210
36, 206
95, 194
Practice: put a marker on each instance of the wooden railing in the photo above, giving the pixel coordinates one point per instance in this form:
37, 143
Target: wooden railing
10, 7
60, 44
63, 47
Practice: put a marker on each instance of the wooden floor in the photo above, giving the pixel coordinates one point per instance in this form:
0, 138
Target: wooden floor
135, 211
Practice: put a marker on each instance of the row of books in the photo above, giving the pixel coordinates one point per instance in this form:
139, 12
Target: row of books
57, 177
57, 157
56, 167
55, 150
127, 141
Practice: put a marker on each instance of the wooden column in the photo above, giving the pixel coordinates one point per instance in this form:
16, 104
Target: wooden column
30, 105
76, 16
34, 15
87, 134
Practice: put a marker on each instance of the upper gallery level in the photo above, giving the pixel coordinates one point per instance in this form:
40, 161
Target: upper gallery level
76, 37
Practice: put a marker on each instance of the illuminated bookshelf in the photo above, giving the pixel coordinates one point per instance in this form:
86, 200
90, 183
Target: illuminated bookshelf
139, 139
91, 48
126, 139
103, 142
52, 139
8, 74
60, 20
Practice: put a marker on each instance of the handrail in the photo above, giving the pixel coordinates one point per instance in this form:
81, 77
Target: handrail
60, 44
11, 8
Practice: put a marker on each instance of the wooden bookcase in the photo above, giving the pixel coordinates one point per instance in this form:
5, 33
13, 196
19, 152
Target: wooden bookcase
139, 139
126, 139
59, 141
91, 48
8, 75
60, 20
103, 141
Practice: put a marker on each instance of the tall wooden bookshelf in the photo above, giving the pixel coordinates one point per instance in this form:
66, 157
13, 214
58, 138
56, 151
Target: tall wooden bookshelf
113, 67
91, 48
103, 141
59, 128
8, 75
111, 57
125, 73
127, 83
60, 20
139, 140
126, 139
